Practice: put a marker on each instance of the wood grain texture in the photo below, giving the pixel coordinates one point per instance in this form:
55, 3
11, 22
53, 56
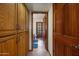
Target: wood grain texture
14, 35
8, 47
7, 17
23, 44
23, 30
66, 29
66, 43
21, 17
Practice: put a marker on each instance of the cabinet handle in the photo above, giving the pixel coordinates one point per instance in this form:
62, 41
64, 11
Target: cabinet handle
17, 39
17, 27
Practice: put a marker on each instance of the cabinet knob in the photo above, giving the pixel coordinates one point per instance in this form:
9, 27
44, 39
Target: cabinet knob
76, 46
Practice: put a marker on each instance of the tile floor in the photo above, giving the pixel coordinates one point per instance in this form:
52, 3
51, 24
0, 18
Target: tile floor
40, 51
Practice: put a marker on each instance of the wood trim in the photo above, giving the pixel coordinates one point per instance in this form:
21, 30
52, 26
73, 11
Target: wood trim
30, 50
47, 29
32, 30
25, 6
8, 30
6, 38
7, 35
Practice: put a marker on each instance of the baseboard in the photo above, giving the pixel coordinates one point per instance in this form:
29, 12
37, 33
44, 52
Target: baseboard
48, 52
30, 50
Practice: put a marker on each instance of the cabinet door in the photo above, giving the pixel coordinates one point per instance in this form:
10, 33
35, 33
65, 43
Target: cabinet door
7, 16
21, 17
22, 44
8, 46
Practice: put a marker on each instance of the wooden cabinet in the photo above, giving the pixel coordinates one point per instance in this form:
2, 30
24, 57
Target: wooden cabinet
14, 30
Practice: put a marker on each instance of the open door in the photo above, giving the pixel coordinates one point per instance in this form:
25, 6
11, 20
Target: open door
39, 29
66, 30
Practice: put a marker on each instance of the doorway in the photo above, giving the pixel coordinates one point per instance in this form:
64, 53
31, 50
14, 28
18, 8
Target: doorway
40, 30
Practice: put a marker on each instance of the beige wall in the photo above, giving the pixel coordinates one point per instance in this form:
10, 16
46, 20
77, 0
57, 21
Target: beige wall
30, 39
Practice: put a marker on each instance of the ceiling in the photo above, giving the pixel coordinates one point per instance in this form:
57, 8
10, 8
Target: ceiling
38, 16
42, 7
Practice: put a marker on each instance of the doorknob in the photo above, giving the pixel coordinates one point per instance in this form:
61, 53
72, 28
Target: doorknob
76, 46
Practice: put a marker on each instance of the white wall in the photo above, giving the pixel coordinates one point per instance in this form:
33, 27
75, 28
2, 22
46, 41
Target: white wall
50, 25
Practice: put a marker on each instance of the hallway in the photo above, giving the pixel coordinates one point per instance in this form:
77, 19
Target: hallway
41, 14
40, 51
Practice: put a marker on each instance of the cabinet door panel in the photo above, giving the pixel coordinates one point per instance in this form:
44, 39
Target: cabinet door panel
8, 46
22, 44
7, 17
21, 17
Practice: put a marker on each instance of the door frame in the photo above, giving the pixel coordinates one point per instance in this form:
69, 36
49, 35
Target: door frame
39, 12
